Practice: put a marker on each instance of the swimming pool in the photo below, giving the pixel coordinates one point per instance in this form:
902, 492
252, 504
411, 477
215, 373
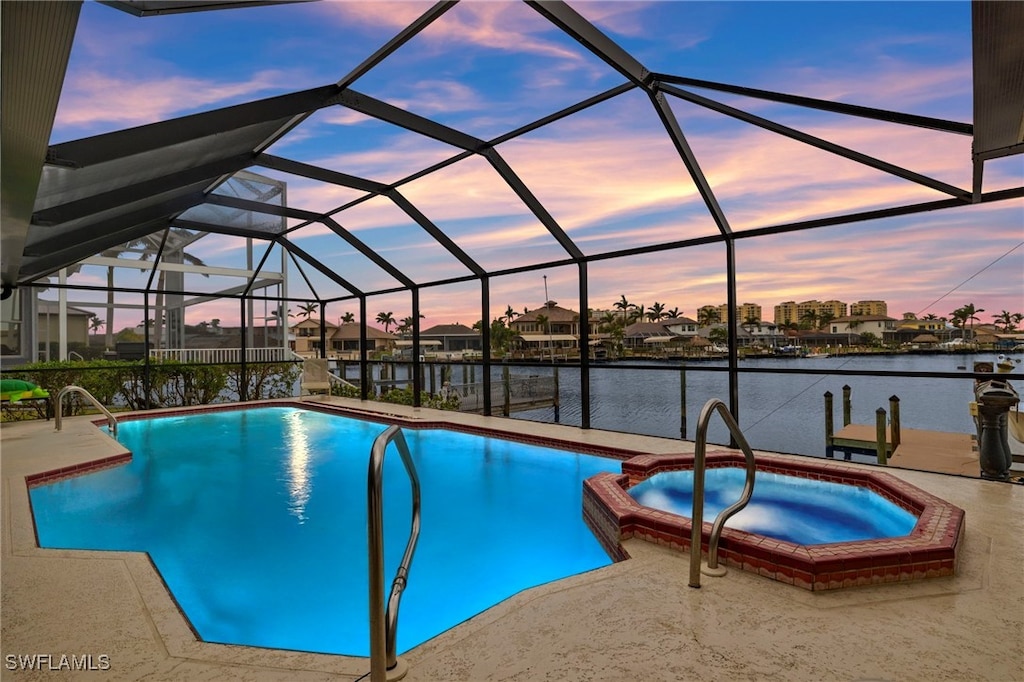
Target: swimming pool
930, 550
803, 511
256, 520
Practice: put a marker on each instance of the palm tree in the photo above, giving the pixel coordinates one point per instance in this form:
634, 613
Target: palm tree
656, 312
95, 322
608, 320
809, 319
307, 309
1008, 320
623, 305
347, 318
542, 320
638, 313
673, 313
510, 314
707, 316
824, 319
968, 313
387, 319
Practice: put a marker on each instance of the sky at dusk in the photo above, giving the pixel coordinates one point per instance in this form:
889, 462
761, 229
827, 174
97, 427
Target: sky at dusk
609, 175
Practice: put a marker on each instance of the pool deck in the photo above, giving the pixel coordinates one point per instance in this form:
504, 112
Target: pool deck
634, 620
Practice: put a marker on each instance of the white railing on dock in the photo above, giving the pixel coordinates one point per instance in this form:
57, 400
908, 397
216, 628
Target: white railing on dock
222, 355
523, 392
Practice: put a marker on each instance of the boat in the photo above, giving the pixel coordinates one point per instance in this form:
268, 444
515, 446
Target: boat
1006, 364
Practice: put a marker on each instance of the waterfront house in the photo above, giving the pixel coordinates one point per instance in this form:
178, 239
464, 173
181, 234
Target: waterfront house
453, 338
681, 326
882, 327
307, 336
342, 341
550, 326
646, 335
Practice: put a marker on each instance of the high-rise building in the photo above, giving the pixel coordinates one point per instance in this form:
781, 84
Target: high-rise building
744, 312
869, 308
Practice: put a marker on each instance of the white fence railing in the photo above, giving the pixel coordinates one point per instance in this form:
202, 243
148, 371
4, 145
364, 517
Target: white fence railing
222, 355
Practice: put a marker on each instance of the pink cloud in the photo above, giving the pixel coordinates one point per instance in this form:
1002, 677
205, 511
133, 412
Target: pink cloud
93, 98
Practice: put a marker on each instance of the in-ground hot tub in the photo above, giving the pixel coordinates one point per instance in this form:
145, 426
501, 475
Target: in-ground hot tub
929, 551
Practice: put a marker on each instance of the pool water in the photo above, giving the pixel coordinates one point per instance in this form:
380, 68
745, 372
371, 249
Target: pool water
256, 519
798, 510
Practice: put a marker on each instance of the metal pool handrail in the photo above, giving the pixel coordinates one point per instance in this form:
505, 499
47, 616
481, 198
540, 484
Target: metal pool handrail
384, 621
699, 465
111, 421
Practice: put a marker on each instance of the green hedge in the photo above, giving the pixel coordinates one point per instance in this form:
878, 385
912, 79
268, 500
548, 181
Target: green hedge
171, 383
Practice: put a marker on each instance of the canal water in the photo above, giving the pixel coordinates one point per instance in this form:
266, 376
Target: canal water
777, 412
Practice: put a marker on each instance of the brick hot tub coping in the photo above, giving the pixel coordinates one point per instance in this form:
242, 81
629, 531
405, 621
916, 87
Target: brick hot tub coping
929, 551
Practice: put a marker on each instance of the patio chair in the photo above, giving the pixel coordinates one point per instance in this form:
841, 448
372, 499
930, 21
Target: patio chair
315, 377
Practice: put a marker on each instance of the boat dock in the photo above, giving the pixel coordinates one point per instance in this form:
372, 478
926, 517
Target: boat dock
919, 449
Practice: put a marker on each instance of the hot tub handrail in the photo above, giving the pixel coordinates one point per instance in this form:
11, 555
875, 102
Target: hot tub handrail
699, 466
384, 621
58, 416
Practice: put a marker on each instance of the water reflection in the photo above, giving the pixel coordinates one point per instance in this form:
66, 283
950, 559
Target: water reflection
300, 485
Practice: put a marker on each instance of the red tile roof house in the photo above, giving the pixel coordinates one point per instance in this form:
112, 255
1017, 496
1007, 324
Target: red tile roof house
342, 341
561, 331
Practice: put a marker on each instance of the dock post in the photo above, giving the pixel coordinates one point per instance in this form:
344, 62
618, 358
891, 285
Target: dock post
846, 405
507, 390
558, 407
682, 401
880, 436
829, 426
894, 422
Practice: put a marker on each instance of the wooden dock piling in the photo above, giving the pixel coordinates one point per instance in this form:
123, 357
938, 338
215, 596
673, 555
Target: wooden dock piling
923, 450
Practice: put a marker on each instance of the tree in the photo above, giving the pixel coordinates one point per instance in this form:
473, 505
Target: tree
347, 318
673, 313
656, 312
510, 315
306, 310
623, 305
608, 321
809, 319
707, 316
638, 313
542, 321
1008, 320
95, 322
824, 319
964, 315
387, 319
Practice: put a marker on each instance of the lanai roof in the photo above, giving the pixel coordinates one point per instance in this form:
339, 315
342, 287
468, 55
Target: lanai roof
215, 172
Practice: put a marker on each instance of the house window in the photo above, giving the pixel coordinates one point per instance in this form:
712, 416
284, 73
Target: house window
11, 324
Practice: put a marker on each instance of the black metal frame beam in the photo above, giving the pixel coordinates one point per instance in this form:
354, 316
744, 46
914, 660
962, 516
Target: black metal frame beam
824, 105
675, 132
585, 33
819, 143
198, 176
109, 146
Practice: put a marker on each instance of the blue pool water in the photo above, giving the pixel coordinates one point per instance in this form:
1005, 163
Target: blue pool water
256, 520
797, 510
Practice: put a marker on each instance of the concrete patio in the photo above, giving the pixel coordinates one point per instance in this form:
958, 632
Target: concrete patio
635, 620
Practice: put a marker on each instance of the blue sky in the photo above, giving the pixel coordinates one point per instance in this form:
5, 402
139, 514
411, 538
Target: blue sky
608, 175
